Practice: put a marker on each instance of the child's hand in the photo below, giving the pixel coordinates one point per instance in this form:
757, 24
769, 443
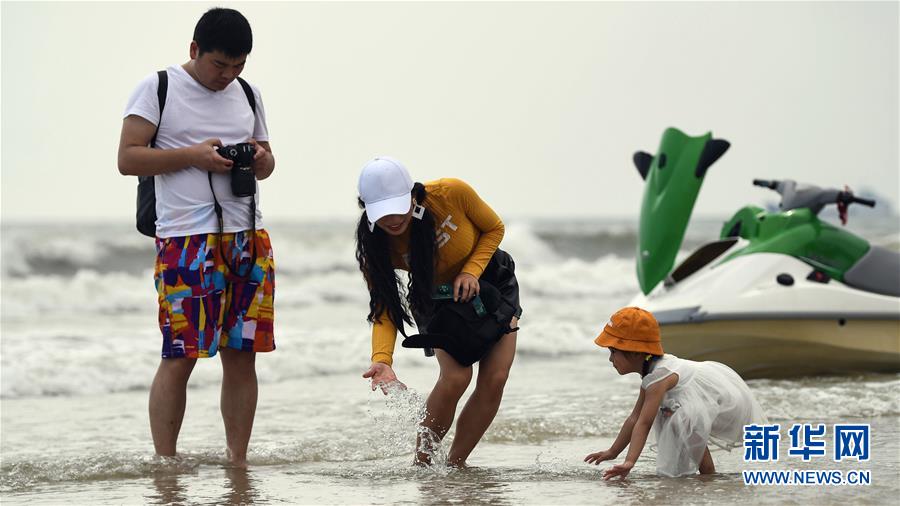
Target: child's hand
618, 470
596, 458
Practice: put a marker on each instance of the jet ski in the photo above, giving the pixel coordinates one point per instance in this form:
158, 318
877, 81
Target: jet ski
779, 293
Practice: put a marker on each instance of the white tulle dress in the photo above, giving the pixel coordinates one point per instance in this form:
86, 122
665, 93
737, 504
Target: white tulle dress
709, 405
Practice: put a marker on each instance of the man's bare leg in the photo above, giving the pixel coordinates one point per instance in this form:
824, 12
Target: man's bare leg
168, 396
238, 401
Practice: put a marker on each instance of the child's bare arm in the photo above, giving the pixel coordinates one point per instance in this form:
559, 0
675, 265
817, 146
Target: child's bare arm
624, 436
622, 439
653, 396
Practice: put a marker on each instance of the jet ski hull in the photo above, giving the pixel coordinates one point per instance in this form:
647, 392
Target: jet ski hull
737, 312
778, 348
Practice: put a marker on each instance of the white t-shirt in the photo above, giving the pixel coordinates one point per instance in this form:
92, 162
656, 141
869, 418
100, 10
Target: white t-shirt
193, 114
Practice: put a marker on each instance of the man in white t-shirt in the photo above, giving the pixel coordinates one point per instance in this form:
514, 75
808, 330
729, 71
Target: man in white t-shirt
215, 287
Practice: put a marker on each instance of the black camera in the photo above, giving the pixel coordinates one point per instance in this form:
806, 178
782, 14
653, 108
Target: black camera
243, 180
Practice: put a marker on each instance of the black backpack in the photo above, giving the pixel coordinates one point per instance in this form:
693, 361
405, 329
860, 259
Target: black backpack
146, 193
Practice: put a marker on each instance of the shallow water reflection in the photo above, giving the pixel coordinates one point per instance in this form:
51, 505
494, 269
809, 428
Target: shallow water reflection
239, 485
465, 486
169, 489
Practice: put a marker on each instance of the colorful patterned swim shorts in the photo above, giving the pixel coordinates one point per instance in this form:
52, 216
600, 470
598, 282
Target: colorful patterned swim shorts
207, 303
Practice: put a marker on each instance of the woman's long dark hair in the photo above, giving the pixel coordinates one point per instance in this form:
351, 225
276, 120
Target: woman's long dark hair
374, 257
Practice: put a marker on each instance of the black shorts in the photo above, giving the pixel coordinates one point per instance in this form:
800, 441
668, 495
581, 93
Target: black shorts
501, 272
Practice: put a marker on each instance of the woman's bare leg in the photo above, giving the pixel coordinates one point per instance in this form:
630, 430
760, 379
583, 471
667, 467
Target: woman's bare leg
441, 405
479, 412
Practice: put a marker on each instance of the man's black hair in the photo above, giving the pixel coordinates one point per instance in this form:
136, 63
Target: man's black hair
225, 30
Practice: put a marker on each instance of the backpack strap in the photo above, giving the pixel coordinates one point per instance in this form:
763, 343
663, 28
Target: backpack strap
146, 193
251, 99
161, 89
247, 91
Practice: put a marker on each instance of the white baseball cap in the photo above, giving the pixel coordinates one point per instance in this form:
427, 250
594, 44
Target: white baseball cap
384, 187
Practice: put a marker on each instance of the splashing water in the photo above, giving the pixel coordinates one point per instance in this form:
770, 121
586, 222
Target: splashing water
400, 430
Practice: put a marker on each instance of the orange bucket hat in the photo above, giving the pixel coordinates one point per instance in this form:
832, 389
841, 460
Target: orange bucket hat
631, 329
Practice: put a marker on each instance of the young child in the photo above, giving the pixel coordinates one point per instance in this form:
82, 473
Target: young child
688, 404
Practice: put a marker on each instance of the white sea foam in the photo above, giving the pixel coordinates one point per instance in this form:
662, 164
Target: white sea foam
92, 328
97, 330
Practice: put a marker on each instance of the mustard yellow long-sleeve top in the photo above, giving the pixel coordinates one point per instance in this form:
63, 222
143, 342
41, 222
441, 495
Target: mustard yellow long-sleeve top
467, 232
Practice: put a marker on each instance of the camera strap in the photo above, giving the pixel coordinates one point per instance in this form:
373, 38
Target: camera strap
251, 99
235, 268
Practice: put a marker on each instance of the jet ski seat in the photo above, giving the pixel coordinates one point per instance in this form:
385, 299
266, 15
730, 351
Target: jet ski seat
877, 271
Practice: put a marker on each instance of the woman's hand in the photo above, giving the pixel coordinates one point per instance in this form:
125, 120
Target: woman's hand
382, 376
465, 286
597, 458
618, 470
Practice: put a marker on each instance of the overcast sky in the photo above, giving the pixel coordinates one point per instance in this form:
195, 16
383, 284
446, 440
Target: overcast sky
538, 105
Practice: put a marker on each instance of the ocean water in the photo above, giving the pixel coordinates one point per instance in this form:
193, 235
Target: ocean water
79, 347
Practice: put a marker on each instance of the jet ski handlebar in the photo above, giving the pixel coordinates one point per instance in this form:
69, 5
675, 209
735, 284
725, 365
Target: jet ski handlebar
796, 195
765, 184
848, 198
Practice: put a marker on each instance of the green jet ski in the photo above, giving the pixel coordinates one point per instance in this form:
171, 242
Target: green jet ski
777, 293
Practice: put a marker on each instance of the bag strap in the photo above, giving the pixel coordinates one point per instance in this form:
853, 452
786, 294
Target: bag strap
249, 92
161, 89
251, 99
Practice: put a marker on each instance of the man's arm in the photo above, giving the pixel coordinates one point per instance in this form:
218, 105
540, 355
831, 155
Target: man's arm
263, 160
136, 158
